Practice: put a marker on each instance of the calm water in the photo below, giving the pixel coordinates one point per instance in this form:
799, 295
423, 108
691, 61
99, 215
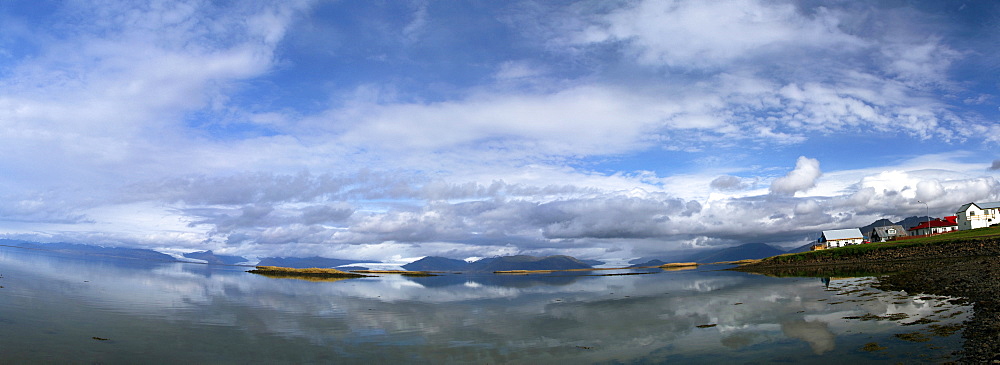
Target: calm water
61, 309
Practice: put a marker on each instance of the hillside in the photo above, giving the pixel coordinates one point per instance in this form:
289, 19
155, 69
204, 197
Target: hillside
741, 252
437, 263
79, 249
524, 262
649, 263
976, 242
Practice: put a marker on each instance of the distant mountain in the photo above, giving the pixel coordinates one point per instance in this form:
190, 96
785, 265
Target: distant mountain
653, 262
303, 262
907, 223
212, 258
803, 248
524, 262
593, 262
913, 221
520, 262
741, 252
437, 263
879, 223
79, 249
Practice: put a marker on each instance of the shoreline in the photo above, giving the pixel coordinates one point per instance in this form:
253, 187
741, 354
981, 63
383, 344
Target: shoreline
943, 248
965, 268
972, 280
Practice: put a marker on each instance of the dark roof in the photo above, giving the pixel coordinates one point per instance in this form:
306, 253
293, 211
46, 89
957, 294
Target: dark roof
990, 205
881, 231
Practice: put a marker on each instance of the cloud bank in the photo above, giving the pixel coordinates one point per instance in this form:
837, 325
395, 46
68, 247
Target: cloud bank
391, 132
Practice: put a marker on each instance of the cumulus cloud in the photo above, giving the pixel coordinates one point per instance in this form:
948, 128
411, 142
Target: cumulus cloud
899, 190
308, 215
802, 178
611, 217
728, 183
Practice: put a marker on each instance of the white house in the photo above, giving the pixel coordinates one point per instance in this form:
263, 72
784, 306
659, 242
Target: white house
841, 237
978, 215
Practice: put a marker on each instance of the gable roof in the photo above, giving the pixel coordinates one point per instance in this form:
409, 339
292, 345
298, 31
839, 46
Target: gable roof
934, 224
842, 234
990, 205
881, 231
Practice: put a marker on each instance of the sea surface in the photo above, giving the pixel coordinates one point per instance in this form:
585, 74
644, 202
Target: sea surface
58, 308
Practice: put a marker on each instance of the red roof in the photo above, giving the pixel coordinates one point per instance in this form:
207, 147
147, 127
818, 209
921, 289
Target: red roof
947, 222
953, 219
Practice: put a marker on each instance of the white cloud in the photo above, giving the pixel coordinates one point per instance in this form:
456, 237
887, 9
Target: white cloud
920, 63
802, 178
694, 34
111, 97
593, 120
310, 215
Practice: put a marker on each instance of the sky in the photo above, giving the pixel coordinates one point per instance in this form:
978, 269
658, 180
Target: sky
389, 130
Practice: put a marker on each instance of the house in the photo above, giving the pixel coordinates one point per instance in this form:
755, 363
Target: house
978, 215
841, 237
887, 233
936, 226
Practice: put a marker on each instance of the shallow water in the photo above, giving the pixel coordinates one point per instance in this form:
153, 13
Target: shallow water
56, 308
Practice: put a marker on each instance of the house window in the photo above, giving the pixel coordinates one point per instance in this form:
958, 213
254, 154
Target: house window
890, 231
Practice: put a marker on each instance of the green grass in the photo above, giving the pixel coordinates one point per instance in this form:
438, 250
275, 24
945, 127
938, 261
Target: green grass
309, 273
311, 270
855, 250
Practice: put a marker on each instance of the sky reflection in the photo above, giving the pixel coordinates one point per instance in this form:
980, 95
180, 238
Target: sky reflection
672, 316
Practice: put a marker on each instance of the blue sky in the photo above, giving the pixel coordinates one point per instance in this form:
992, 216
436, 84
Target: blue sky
387, 131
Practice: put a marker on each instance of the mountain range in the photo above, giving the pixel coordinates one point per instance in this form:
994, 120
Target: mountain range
907, 223
435, 263
89, 250
519, 262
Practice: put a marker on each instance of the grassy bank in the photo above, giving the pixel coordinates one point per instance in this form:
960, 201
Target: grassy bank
310, 273
982, 241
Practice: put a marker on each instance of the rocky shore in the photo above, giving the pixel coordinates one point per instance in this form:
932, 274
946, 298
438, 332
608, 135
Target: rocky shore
975, 279
966, 269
